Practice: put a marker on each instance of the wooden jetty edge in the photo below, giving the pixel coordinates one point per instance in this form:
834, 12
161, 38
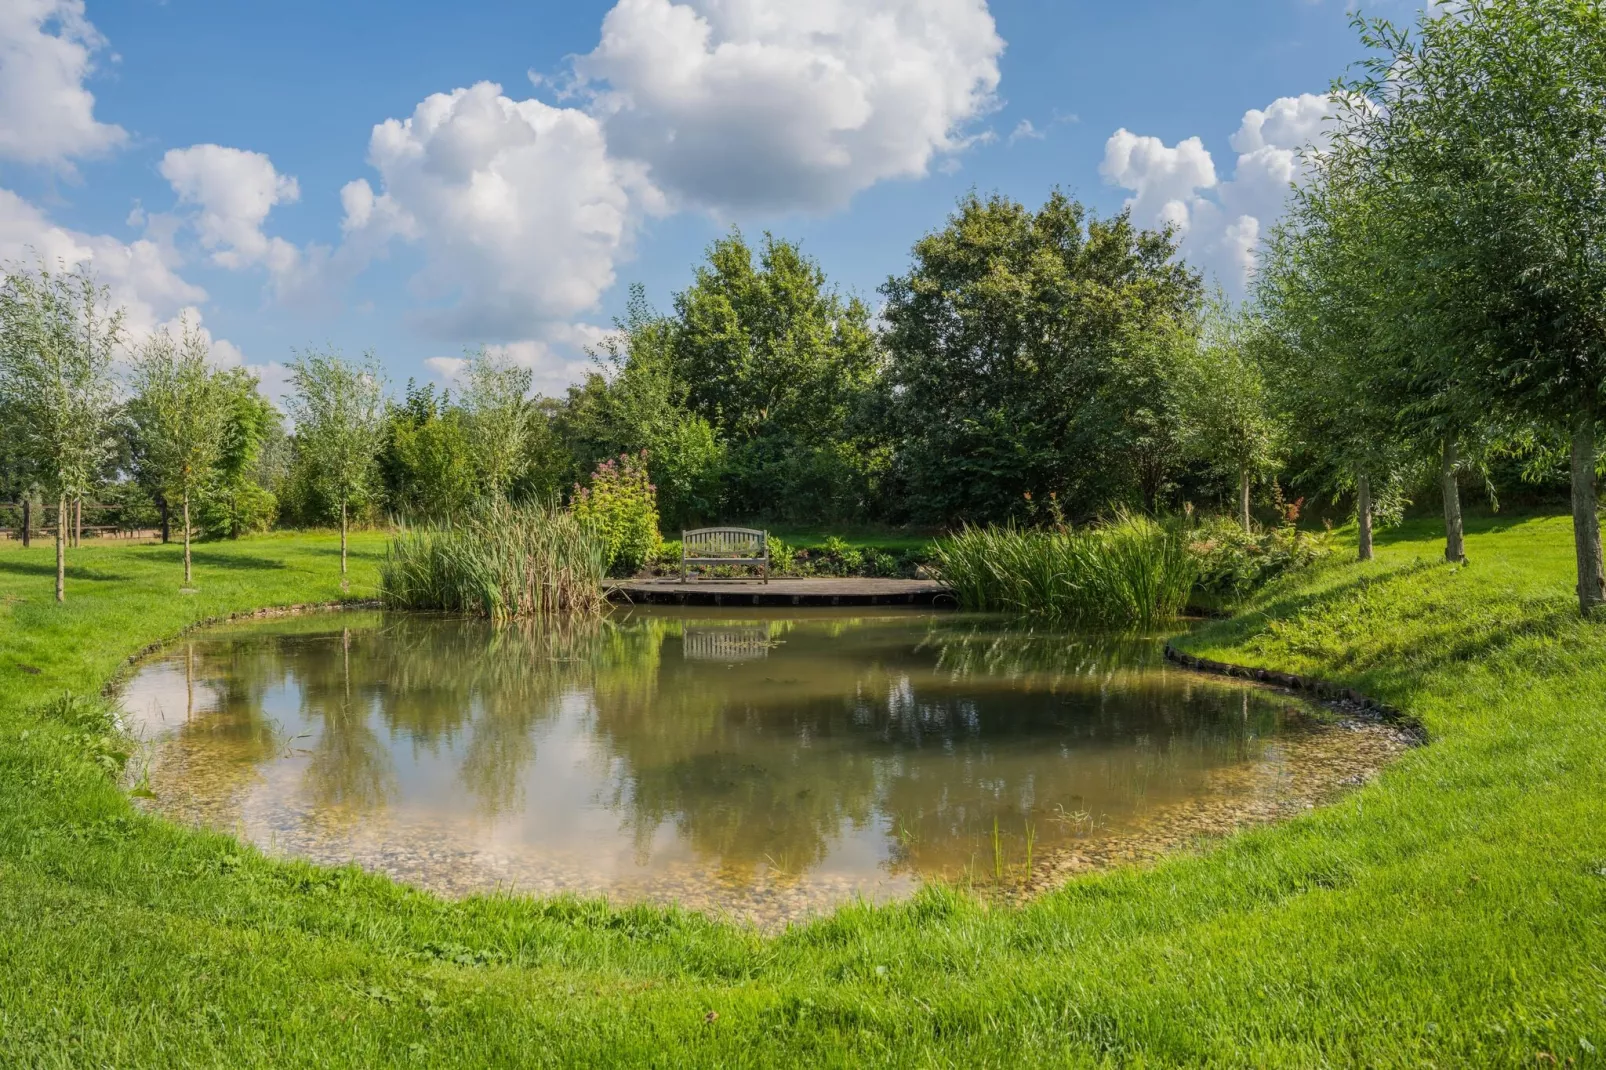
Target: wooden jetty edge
850, 591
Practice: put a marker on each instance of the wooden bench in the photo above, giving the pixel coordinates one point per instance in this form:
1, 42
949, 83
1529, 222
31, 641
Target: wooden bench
713, 547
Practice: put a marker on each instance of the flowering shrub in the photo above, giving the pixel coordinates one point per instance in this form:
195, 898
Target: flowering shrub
1233, 561
623, 504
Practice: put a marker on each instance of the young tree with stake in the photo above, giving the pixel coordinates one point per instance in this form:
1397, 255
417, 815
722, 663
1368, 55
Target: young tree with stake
180, 407
57, 340
339, 412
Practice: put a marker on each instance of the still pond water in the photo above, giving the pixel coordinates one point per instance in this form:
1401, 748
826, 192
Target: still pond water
764, 765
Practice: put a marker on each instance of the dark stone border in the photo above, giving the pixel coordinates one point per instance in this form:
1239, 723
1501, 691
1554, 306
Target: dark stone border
1351, 699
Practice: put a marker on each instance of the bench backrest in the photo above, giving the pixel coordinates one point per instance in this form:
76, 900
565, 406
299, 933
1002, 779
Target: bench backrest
724, 542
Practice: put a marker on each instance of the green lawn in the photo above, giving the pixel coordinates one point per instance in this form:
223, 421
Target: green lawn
1452, 913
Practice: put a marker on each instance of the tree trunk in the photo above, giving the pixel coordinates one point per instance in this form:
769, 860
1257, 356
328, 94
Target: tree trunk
166, 527
1455, 548
78, 523
1363, 515
342, 539
27, 523
186, 538
1243, 496
61, 549
1586, 521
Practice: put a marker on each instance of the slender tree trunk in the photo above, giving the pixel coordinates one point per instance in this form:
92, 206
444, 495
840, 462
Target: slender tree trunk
61, 549
1243, 496
78, 523
166, 527
1586, 521
342, 539
186, 538
27, 523
1455, 549
1363, 515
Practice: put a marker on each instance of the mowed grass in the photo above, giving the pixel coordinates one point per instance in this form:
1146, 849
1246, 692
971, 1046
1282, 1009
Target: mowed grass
1451, 913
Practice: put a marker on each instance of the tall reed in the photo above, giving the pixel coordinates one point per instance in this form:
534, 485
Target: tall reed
502, 561
1131, 571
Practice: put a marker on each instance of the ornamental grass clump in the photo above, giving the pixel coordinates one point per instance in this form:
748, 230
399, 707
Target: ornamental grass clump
505, 562
1132, 571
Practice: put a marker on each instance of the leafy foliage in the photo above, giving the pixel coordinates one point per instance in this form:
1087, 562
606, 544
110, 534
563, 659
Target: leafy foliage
622, 504
1027, 355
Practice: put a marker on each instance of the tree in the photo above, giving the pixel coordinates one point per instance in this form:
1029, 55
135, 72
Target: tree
338, 408
426, 462
636, 402
181, 407
777, 362
57, 341
1227, 415
1484, 133
500, 419
1029, 354
241, 497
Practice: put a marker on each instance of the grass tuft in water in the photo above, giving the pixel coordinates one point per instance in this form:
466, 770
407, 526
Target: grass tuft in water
505, 562
1132, 571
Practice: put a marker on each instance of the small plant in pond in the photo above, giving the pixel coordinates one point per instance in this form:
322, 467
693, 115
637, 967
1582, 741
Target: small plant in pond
622, 504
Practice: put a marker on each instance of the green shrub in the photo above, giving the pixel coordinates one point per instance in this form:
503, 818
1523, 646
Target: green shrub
622, 504
504, 562
1233, 562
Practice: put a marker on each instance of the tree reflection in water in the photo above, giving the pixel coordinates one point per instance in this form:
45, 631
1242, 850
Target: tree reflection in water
753, 743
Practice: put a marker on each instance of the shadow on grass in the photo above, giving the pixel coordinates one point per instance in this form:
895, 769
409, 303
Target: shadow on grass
233, 562
73, 572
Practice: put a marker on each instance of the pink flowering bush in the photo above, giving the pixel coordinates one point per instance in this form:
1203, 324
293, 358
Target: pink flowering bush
622, 504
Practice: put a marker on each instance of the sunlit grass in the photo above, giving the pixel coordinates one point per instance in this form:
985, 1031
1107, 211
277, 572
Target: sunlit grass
1452, 913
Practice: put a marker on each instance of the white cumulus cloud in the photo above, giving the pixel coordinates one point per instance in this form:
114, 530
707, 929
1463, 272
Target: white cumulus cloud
1221, 222
519, 209
789, 104
46, 115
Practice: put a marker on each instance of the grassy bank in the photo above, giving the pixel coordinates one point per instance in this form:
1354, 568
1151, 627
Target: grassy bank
1453, 912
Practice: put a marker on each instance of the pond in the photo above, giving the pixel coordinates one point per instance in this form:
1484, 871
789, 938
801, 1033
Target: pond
764, 765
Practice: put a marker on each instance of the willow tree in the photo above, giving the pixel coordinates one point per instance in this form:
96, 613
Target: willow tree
339, 413
1485, 130
1228, 417
501, 419
58, 336
180, 407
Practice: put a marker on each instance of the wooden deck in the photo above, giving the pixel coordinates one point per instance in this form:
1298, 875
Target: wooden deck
851, 591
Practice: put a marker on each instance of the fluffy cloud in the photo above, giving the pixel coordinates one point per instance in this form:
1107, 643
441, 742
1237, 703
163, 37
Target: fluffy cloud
789, 104
1163, 179
46, 114
234, 191
142, 275
1221, 222
519, 209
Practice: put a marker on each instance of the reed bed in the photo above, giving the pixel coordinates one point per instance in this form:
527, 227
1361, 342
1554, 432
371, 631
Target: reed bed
1132, 571
504, 561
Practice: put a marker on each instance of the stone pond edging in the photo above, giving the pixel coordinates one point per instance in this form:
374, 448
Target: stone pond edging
1351, 699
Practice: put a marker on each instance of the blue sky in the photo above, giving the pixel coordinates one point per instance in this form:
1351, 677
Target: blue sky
223, 157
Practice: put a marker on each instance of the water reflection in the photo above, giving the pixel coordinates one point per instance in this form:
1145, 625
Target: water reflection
763, 764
